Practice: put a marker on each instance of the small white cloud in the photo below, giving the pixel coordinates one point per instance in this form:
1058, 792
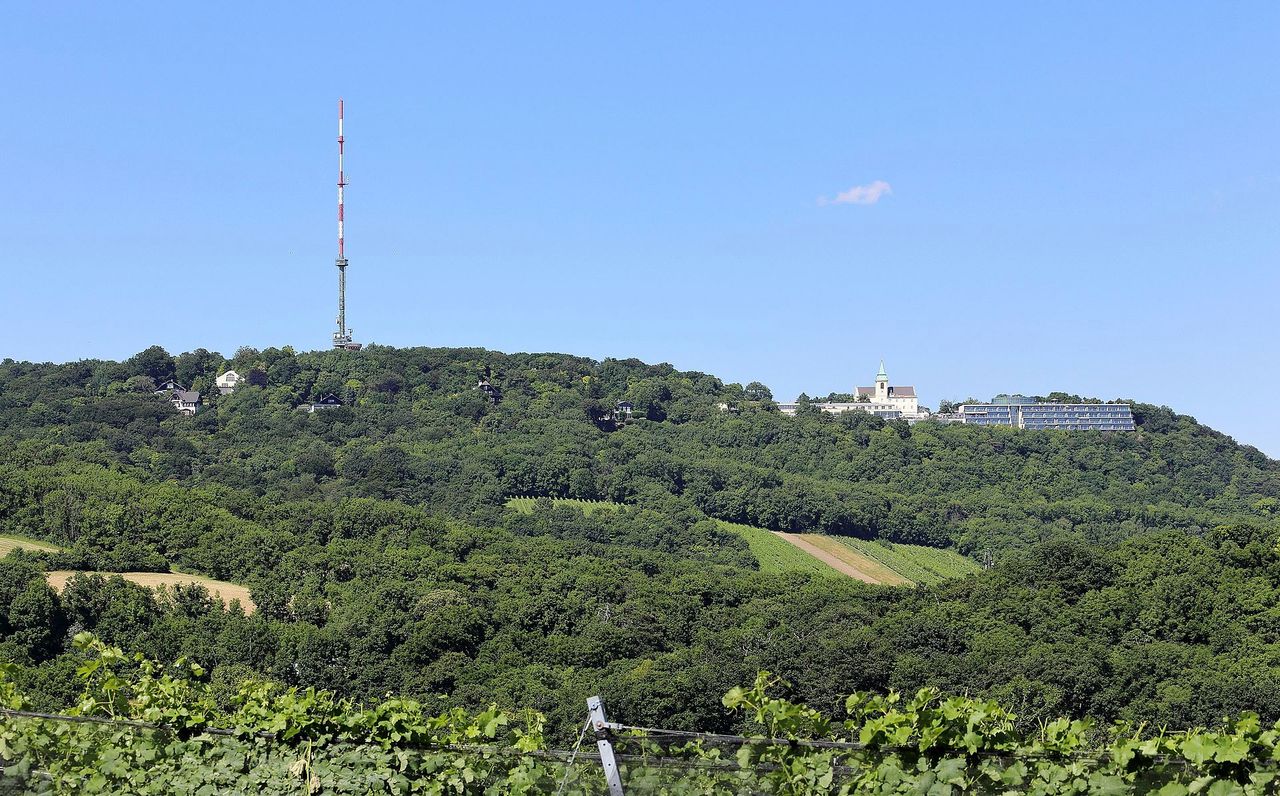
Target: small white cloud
867, 194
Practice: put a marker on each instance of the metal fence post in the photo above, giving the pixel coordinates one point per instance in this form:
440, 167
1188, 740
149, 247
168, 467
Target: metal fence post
600, 724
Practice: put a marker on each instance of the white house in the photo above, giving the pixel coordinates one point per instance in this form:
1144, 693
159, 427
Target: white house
228, 382
186, 401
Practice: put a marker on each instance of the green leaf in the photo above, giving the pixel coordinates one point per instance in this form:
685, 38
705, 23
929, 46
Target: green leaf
1232, 751
1198, 749
734, 698
1107, 785
1225, 788
951, 769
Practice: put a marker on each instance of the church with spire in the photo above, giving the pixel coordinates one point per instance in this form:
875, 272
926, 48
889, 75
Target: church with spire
901, 399
883, 400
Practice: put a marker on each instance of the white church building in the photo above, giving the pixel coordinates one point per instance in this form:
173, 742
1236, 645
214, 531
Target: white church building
882, 399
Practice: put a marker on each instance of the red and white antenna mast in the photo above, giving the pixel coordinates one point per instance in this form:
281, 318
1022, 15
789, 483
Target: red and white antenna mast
342, 337
342, 183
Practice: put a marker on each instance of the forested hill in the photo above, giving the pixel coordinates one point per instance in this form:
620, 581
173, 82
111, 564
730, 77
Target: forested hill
1136, 574
416, 429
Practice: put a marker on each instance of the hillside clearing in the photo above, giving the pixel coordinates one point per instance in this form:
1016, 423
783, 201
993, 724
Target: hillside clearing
221, 589
777, 555
927, 565
845, 559
525, 505
10, 543
876, 561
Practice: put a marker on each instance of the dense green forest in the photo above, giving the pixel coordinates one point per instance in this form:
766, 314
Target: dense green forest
1135, 575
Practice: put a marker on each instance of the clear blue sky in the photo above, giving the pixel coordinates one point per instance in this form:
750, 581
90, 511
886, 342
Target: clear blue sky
1082, 197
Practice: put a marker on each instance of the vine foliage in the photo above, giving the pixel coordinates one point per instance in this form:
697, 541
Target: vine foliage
146, 728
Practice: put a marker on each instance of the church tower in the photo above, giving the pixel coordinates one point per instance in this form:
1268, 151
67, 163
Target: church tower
882, 385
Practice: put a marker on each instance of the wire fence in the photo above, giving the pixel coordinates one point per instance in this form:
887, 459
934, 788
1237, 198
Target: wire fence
649, 759
266, 758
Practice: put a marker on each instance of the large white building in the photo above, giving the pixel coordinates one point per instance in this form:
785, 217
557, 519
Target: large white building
902, 399
882, 399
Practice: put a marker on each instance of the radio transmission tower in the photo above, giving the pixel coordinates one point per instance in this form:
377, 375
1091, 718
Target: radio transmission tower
342, 338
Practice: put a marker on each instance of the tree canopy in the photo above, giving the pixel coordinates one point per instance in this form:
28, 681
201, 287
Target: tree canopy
1134, 575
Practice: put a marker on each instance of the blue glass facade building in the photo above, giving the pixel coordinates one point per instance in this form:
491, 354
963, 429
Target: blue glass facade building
1067, 417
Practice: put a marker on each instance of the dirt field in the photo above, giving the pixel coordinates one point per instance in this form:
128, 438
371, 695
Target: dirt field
844, 559
218, 588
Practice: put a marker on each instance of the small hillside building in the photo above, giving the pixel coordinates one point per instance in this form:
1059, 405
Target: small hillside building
329, 401
491, 392
227, 382
186, 402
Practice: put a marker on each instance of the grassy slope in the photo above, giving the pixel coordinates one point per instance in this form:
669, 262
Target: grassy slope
845, 559
10, 543
524, 505
776, 554
918, 564
875, 562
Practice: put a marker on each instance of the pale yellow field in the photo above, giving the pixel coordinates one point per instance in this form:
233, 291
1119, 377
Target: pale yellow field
842, 558
218, 588
10, 543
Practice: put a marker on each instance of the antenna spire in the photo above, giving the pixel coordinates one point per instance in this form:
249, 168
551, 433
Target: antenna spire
342, 338
342, 183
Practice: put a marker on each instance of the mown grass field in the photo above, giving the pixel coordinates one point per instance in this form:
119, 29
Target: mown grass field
927, 565
880, 562
10, 543
775, 554
525, 505
220, 589
845, 559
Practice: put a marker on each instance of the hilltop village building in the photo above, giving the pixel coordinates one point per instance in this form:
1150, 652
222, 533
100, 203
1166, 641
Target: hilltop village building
1017, 411
882, 400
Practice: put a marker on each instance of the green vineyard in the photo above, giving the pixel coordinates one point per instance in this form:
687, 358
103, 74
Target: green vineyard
916, 563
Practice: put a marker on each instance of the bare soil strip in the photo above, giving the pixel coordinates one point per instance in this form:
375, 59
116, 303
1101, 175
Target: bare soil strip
224, 591
844, 559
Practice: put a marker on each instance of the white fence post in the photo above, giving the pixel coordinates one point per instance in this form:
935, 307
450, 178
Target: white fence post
600, 724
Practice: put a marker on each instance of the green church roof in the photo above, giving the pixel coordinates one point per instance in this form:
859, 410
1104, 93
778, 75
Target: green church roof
882, 374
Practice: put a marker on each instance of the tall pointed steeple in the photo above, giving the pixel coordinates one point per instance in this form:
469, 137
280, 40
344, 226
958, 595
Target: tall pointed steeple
882, 384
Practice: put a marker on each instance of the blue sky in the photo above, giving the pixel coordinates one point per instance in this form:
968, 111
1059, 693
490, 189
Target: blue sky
990, 197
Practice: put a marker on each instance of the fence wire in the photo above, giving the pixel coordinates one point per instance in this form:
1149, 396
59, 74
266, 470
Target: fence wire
650, 759
272, 766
